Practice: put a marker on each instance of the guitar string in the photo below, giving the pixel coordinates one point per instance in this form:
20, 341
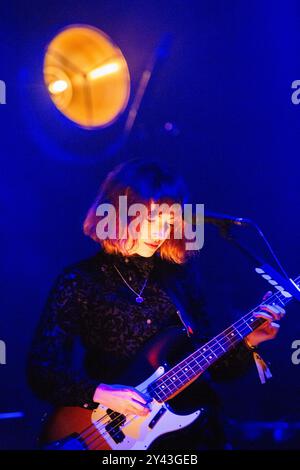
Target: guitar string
103, 435
98, 436
95, 431
231, 342
201, 364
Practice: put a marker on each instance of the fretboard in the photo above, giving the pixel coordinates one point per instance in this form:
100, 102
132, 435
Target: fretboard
185, 372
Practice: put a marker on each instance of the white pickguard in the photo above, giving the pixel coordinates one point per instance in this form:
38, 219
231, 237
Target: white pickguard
138, 434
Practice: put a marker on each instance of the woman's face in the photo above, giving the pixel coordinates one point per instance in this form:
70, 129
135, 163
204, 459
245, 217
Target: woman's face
154, 230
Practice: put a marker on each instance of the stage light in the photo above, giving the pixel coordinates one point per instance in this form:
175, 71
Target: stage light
103, 70
57, 87
86, 76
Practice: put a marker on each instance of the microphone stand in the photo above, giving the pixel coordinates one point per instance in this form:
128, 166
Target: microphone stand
285, 285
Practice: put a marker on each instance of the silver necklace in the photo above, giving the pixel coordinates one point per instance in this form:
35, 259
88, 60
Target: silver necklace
139, 299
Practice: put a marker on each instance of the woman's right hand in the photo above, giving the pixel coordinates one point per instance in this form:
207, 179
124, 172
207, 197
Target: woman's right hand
123, 399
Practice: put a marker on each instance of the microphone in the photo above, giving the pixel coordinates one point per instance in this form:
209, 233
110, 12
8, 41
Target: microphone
218, 219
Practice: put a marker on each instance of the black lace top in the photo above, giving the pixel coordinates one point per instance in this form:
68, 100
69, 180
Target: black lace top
92, 325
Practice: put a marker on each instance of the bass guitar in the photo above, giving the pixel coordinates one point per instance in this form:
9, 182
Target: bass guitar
76, 428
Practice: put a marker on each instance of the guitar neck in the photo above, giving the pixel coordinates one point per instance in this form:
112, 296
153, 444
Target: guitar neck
186, 371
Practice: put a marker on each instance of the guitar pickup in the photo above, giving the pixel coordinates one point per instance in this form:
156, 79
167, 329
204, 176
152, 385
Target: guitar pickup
113, 428
157, 417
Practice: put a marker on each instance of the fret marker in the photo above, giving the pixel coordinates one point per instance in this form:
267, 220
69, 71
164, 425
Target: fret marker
204, 349
251, 319
162, 386
210, 357
174, 378
186, 368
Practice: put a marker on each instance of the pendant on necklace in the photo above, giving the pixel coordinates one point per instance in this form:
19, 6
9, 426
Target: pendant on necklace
139, 299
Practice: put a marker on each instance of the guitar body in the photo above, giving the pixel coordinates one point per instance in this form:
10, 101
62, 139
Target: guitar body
154, 373
75, 428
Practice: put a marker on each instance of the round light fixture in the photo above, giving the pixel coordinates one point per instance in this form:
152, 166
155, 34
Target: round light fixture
87, 76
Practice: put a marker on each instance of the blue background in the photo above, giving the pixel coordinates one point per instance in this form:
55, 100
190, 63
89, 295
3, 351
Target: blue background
225, 84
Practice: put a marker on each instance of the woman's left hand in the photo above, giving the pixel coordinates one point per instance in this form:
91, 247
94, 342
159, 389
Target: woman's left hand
270, 328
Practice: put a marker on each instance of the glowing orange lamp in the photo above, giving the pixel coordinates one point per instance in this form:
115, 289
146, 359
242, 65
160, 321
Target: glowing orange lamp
87, 76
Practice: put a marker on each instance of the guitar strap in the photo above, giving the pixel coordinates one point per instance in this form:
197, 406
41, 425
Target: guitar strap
186, 321
178, 296
263, 370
